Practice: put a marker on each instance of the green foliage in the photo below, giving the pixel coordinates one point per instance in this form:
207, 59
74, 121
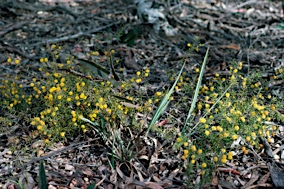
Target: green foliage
92, 186
42, 177
79, 96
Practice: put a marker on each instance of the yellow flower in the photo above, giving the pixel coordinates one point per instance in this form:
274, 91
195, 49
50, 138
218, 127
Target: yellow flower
158, 94
234, 137
202, 120
226, 134
248, 138
62, 134
199, 151
207, 132
204, 165
83, 96
230, 153
193, 148
219, 128
39, 127
178, 140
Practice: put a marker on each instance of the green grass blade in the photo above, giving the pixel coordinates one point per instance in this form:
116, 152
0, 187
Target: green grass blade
95, 125
42, 177
164, 103
92, 186
193, 103
192, 129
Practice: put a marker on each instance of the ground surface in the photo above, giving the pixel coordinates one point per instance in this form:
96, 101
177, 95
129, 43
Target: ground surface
247, 31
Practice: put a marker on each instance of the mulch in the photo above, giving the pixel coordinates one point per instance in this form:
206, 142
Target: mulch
248, 31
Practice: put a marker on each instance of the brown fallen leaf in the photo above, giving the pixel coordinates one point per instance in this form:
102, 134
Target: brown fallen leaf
232, 46
153, 185
254, 178
264, 178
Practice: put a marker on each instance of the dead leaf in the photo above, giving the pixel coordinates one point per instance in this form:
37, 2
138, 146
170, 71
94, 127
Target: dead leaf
129, 105
11, 186
264, 178
40, 153
153, 185
223, 66
232, 46
129, 60
162, 123
214, 181
254, 178
88, 172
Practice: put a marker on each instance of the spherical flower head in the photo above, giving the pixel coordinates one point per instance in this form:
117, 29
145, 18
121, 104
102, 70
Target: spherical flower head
185, 152
158, 93
207, 132
17, 61
235, 137
202, 120
203, 165
248, 138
